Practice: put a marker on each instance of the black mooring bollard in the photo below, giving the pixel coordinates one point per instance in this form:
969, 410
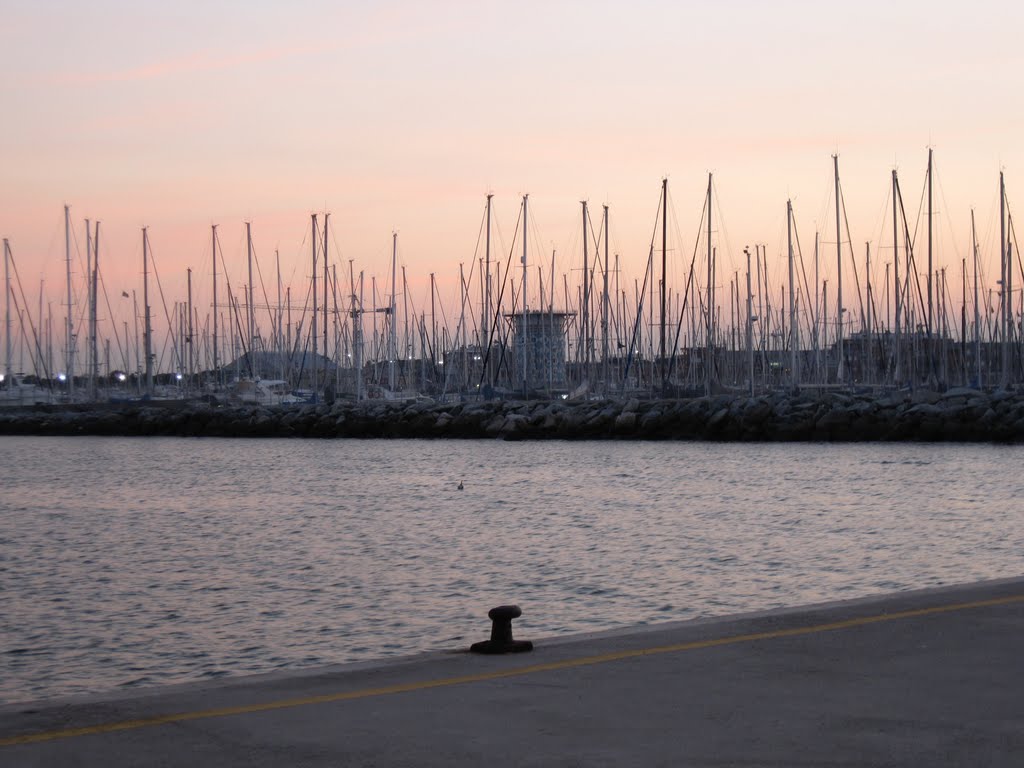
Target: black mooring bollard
501, 632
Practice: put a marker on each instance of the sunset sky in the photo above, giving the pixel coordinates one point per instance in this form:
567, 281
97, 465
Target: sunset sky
403, 115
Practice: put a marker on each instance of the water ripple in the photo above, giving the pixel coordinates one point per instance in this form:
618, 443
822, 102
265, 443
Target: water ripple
136, 562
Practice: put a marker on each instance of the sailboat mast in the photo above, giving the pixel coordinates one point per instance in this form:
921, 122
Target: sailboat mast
433, 328
664, 267
750, 325
70, 341
586, 298
88, 306
604, 309
485, 320
930, 272
7, 314
315, 366
463, 296
147, 330
792, 302
326, 281
406, 348
393, 351
869, 355
897, 293
93, 301
977, 313
817, 309
216, 362
839, 277
251, 314
279, 335
191, 343
708, 366
526, 231
1004, 268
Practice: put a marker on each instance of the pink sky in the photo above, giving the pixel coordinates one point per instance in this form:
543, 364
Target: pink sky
402, 116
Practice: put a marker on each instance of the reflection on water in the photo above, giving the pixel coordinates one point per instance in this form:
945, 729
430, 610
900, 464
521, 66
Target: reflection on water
130, 562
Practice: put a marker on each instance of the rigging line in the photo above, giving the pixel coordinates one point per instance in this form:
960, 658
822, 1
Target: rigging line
803, 272
497, 315
880, 238
266, 299
231, 298
106, 298
722, 228
480, 234
35, 336
949, 222
339, 259
643, 293
880, 230
507, 331
78, 253
83, 307
1013, 237
689, 284
25, 340
853, 256
233, 303
167, 314
912, 264
920, 212
467, 281
595, 236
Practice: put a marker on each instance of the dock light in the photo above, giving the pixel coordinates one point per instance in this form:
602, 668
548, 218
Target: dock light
1, 378
177, 376
62, 377
121, 377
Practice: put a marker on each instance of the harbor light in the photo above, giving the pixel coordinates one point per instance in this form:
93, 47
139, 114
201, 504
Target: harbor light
1, 378
62, 377
121, 377
177, 376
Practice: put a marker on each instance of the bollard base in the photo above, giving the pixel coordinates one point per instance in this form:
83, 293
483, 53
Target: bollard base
491, 647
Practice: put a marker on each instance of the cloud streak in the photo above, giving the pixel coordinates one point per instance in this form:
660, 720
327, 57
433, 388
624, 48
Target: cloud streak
196, 63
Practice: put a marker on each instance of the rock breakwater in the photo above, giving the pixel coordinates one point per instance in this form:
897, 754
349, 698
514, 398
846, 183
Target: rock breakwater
966, 415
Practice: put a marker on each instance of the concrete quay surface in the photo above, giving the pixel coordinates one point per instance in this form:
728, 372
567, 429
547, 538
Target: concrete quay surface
924, 678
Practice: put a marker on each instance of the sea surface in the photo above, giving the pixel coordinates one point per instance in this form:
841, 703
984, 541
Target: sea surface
130, 562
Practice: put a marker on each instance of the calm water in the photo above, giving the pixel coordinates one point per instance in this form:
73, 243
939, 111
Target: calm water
132, 562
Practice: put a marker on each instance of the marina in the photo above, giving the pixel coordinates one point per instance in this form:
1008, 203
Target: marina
516, 321
534, 384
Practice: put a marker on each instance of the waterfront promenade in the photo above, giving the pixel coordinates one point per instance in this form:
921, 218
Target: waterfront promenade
919, 678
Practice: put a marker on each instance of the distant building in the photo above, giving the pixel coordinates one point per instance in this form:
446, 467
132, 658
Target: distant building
538, 351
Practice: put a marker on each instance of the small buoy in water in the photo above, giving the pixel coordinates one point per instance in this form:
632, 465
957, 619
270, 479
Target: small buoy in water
461, 486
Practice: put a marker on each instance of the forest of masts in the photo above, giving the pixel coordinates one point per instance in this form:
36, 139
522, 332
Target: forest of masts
695, 329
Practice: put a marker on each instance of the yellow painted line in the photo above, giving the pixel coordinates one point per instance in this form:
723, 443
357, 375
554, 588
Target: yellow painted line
181, 717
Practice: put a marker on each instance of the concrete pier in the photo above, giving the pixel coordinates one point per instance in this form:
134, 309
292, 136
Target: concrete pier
927, 678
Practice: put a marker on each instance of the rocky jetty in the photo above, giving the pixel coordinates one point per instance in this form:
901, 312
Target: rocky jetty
965, 415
